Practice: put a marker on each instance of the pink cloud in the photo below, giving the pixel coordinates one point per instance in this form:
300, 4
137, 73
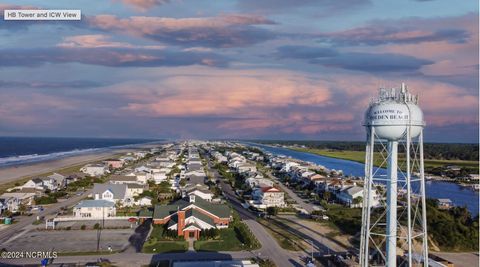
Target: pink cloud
239, 95
221, 31
99, 41
143, 5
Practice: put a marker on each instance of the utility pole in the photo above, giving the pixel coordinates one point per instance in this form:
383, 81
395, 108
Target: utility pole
99, 230
311, 243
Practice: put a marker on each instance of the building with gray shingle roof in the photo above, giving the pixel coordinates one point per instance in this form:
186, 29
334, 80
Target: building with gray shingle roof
113, 192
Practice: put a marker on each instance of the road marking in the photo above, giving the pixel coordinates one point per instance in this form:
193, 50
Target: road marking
17, 236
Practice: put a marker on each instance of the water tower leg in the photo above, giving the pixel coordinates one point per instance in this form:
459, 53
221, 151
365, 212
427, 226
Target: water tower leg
391, 255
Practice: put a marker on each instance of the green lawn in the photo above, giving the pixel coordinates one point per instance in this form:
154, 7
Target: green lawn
155, 246
227, 241
359, 156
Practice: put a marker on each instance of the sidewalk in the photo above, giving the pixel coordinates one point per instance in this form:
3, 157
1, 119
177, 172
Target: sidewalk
190, 245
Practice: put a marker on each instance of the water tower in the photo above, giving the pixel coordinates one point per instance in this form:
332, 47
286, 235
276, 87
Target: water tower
394, 222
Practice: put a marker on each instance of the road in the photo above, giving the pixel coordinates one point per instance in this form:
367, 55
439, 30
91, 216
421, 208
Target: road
270, 247
25, 221
130, 257
141, 259
306, 206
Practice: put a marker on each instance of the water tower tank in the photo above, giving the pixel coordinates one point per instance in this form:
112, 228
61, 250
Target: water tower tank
392, 112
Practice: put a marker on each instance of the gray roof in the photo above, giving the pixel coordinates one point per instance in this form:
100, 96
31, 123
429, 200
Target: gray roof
205, 191
118, 190
37, 180
135, 186
95, 203
122, 178
56, 176
192, 187
353, 190
194, 179
194, 167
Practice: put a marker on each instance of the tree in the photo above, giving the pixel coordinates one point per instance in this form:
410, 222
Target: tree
327, 195
22, 209
272, 211
357, 200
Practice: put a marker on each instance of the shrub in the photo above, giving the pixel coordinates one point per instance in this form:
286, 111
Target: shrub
96, 226
83, 227
45, 200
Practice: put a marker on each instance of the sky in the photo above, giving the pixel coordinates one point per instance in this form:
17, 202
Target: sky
236, 69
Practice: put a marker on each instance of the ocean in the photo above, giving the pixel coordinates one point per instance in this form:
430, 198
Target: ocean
24, 150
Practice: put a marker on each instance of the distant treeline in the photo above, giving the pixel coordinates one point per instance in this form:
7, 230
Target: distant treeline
446, 151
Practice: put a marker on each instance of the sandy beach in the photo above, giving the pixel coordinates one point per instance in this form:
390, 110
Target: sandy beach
13, 173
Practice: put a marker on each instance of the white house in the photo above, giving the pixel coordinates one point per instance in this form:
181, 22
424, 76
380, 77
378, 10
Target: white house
246, 167
202, 193
253, 182
159, 176
3, 205
265, 197
123, 179
111, 192
36, 183
95, 169
144, 201
13, 200
49, 183
142, 177
135, 189
60, 180
349, 194
95, 209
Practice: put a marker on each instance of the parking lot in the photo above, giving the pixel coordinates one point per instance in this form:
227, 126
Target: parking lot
108, 224
70, 241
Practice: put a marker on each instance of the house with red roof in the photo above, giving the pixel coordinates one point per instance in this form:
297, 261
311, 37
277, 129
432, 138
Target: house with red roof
269, 196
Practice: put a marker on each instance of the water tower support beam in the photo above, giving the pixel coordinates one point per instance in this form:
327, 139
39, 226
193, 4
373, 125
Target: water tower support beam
392, 205
424, 205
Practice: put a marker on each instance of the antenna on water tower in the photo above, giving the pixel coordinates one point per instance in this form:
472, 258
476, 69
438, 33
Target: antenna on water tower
389, 230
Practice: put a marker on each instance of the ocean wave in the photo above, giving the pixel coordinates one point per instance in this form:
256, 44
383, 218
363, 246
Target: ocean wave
22, 159
33, 158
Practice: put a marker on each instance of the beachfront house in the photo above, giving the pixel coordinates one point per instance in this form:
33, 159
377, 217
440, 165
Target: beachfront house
49, 183
95, 170
95, 209
114, 163
36, 183
58, 179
